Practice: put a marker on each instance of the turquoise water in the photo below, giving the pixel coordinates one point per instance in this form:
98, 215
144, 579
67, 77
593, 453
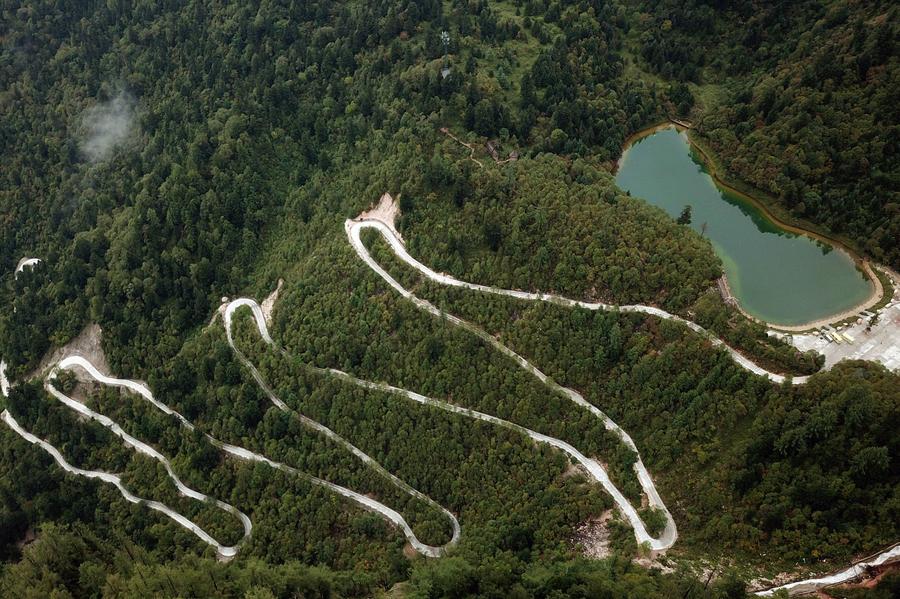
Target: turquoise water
776, 275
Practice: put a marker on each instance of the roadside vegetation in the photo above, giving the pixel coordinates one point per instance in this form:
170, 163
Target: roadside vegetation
753, 469
254, 130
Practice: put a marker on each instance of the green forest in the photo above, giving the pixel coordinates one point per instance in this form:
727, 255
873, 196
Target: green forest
161, 156
807, 104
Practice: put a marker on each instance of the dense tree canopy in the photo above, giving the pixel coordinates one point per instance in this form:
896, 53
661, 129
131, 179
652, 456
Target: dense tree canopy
161, 155
810, 113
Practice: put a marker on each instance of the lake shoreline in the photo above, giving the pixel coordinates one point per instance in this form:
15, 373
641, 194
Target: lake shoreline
713, 169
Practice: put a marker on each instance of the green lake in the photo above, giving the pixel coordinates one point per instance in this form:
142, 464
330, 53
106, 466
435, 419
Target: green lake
776, 275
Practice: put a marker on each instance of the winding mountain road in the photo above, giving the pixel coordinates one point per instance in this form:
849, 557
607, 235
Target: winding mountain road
355, 227
596, 471
670, 532
353, 230
258, 316
226, 552
141, 447
238, 452
25, 263
245, 454
811, 585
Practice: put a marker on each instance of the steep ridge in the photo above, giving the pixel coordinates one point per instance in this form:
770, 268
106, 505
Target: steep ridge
258, 315
597, 472
670, 532
226, 552
354, 228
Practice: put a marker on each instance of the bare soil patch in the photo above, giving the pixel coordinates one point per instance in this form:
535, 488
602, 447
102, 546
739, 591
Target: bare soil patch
593, 536
268, 304
86, 344
387, 210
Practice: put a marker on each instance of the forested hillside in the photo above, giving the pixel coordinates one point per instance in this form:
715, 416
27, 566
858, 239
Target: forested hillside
810, 107
792, 464
231, 110
159, 156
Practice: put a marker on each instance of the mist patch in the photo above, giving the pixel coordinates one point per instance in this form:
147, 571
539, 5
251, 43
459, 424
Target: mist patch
108, 126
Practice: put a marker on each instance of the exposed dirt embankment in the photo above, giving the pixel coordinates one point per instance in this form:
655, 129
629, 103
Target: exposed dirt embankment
386, 211
268, 305
594, 536
87, 344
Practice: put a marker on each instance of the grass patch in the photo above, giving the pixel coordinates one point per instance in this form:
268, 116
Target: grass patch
888, 285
